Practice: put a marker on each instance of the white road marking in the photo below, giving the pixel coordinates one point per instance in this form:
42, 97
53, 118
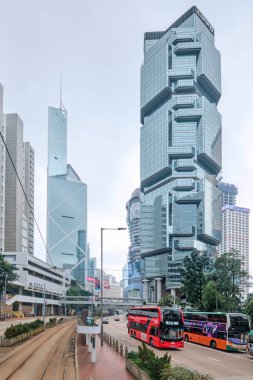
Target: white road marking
221, 352
213, 359
176, 361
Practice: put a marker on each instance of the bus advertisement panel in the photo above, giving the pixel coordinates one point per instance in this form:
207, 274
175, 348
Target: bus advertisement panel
161, 327
225, 331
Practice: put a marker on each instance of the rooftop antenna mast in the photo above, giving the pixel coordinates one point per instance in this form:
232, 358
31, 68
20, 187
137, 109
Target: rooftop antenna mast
61, 104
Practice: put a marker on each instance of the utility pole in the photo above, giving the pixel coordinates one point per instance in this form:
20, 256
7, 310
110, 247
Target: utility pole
4, 296
44, 308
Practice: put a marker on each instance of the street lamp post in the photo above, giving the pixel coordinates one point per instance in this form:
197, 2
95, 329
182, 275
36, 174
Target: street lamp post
101, 276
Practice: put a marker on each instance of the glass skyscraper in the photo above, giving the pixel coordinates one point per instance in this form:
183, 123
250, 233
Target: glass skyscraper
180, 149
134, 288
229, 193
67, 203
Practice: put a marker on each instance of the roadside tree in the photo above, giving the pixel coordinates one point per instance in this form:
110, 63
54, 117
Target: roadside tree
194, 277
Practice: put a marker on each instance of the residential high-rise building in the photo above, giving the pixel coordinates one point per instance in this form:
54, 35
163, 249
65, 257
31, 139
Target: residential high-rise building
180, 149
2, 171
235, 234
66, 203
16, 227
29, 190
229, 193
134, 287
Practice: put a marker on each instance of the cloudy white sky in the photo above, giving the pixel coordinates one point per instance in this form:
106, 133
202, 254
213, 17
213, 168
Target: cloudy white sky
97, 47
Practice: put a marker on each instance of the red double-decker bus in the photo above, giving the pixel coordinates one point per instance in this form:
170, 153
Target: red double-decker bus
159, 326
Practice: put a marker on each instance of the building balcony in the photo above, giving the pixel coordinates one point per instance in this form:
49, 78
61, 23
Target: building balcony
183, 102
186, 151
183, 115
184, 165
184, 85
184, 245
184, 184
176, 74
188, 47
183, 231
189, 198
182, 37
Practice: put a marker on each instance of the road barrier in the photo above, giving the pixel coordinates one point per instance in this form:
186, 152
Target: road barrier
119, 347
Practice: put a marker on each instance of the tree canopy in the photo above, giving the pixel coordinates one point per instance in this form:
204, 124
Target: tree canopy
7, 273
76, 290
214, 284
194, 277
166, 301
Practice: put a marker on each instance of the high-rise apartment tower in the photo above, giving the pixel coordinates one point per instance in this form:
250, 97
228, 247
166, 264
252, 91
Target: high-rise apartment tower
235, 235
2, 171
180, 149
18, 220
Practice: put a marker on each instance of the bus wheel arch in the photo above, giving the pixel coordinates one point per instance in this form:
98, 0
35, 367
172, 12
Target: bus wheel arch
213, 344
186, 338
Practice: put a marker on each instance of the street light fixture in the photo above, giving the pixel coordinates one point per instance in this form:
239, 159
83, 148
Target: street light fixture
101, 275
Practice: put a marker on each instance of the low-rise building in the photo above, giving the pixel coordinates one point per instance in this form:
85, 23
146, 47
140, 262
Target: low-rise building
38, 284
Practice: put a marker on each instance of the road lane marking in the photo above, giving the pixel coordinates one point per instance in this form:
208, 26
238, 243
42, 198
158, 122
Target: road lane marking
176, 361
213, 359
219, 351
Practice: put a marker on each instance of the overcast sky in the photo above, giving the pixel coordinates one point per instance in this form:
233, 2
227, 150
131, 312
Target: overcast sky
97, 47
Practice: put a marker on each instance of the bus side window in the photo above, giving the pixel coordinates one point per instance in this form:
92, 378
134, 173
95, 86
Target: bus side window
154, 331
222, 335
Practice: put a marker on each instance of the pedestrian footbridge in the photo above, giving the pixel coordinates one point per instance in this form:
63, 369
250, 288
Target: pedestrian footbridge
78, 300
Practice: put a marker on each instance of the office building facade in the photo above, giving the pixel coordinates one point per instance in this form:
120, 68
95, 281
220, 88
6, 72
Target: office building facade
66, 204
229, 193
17, 231
235, 235
36, 280
134, 286
2, 171
29, 190
180, 150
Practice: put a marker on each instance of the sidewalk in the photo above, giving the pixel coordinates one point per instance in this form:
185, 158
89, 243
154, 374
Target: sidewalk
109, 365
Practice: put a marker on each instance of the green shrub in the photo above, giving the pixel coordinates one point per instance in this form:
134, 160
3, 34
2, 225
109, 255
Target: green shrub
149, 362
179, 373
22, 328
159, 368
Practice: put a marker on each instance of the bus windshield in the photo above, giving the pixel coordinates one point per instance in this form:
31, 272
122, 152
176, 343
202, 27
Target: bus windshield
170, 325
239, 327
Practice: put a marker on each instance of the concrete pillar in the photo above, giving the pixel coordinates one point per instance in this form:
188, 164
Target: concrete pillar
145, 290
89, 341
158, 289
93, 352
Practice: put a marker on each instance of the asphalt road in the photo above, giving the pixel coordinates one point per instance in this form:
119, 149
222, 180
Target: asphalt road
221, 365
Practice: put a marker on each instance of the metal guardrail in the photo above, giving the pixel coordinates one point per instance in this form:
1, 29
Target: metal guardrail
118, 346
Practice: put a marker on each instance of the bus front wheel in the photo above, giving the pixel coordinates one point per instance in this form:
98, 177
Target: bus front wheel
186, 338
151, 342
213, 344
